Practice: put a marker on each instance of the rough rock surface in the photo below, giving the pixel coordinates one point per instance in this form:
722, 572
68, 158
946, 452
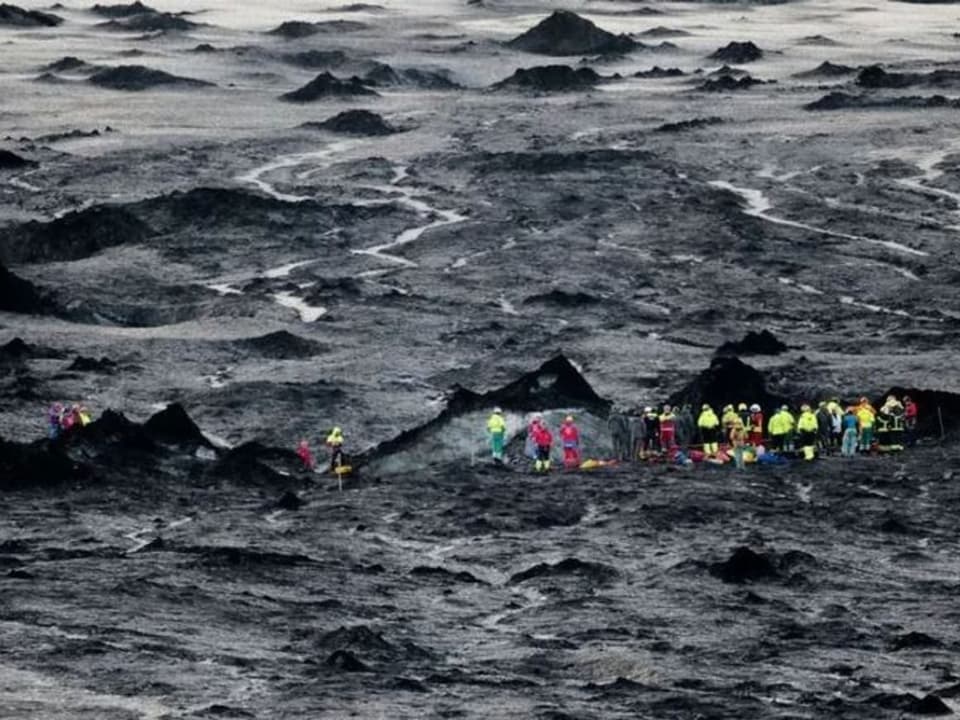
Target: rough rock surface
566, 33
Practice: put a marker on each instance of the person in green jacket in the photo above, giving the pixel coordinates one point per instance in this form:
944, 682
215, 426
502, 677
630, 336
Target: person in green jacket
807, 430
497, 427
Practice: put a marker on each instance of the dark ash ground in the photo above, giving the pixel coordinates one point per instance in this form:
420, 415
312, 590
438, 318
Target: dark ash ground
174, 229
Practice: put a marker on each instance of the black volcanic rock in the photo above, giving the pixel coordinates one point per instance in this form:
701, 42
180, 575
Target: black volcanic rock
664, 32
658, 72
87, 364
729, 83
74, 236
355, 122
173, 426
684, 125
818, 40
316, 59
827, 70
566, 33
384, 75
69, 64
745, 565
737, 52
327, 85
297, 29
846, 101
121, 11
281, 345
726, 381
594, 572
12, 161
875, 77
21, 296
150, 23
753, 343
550, 78
35, 465
13, 16
136, 78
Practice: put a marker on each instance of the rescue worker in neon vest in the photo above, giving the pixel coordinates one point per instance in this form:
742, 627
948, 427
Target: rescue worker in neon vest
497, 427
728, 420
756, 425
780, 425
866, 417
335, 443
709, 425
738, 440
570, 441
668, 429
542, 440
808, 429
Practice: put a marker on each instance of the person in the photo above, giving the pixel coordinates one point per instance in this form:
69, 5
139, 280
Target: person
709, 425
891, 416
570, 440
66, 419
836, 423
780, 424
335, 443
743, 412
848, 445
83, 415
497, 427
668, 429
543, 441
756, 426
306, 457
824, 426
866, 417
54, 420
636, 428
738, 439
808, 428
619, 427
651, 433
910, 413
728, 420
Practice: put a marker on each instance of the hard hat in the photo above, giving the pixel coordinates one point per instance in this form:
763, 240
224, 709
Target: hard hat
666, 408
337, 431
785, 408
727, 408
705, 407
648, 409
568, 418
863, 400
742, 406
754, 408
804, 407
497, 410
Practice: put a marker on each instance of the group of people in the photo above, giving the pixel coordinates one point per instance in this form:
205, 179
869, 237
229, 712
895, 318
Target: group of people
61, 418
334, 443
739, 434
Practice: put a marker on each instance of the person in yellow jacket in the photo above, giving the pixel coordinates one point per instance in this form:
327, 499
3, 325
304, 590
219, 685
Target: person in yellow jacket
497, 427
780, 428
808, 427
709, 425
866, 417
335, 443
729, 421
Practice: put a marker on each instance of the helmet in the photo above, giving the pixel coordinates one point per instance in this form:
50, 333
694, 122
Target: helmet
568, 418
805, 407
337, 431
754, 408
648, 409
906, 398
667, 408
705, 407
822, 403
864, 401
727, 408
742, 406
785, 408
497, 410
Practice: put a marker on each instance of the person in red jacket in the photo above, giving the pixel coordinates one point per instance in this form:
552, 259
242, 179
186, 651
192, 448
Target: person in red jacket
910, 420
306, 457
755, 436
570, 440
543, 441
668, 430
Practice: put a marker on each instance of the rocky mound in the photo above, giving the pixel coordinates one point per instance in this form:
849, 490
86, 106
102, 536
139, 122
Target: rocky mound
595, 573
747, 565
136, 78
737, 53
297, 29
355, 122
664, 32
281, 345
316, 59
121, 11
384, 75
21, 296
550, 78
827, 70
684, 125
12, 161
327, 85
87, 364
254, 463
818, 40
566, 33
13, 16
72, 237
753, 343
875, 77
727, 381
658, 72
563, 299
35, 465
846, 101
70, 64
729, 83
151, 22
71, 135
173, 426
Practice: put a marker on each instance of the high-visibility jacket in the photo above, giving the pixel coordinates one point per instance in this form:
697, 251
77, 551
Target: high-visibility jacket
335, 438
496, 423
865, 416
730, 418
808, 422
708, 420
782, 422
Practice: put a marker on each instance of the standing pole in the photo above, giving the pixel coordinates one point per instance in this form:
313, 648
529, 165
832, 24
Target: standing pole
943, 433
